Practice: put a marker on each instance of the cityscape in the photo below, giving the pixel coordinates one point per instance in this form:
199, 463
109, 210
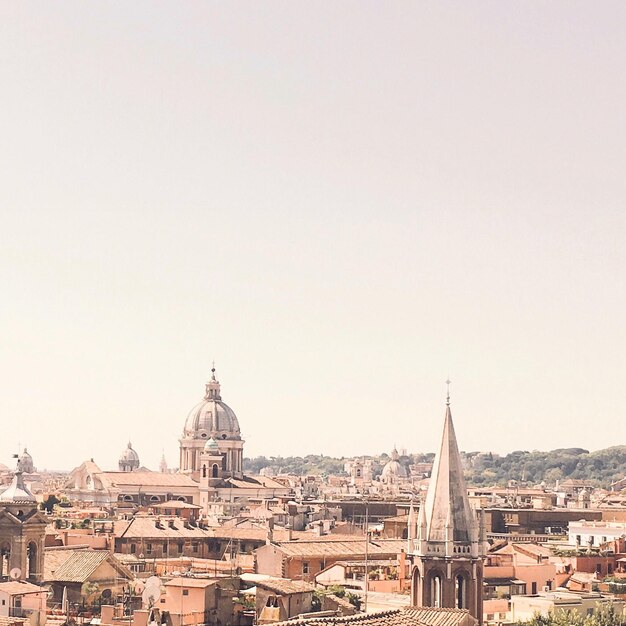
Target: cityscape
313, 313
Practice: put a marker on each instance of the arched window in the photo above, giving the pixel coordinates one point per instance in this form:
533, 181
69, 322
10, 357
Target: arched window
215, 470
416, 587
435, 591
31, 564
460, 591
5, 560
155, 499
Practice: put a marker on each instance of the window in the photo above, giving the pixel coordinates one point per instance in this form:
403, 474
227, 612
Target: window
195, 547
185, 592
533, 587
435, 591
181, 547
149, 548
599, 568
305, 567
133, 548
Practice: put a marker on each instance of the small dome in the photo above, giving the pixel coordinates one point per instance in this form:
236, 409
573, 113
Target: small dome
129, 454
211, 445
25, 462
129, 459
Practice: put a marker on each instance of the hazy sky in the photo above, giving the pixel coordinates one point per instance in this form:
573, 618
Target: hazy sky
342, 203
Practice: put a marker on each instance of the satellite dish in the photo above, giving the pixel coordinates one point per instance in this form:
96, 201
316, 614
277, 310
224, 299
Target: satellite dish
152, 591
15, 573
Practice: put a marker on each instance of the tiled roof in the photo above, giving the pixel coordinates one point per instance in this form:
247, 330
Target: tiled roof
395, 617
254, 482
152, 479
145, 528
11, 621
176, 504
15, 587
200, 583
341, 548
79, 565
285, 586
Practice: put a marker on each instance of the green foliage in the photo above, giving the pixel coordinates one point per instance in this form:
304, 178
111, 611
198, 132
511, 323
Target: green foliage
316, 464
49, 503
603, 615
602, 467
334, 590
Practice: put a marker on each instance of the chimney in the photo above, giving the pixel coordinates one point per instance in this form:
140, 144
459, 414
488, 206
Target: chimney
270, 531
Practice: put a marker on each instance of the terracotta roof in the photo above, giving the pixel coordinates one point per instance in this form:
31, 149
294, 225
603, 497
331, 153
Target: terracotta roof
10, 621
255, 482
285, 586
79, 566
341, 548
153, 479
176, 504
199, 583
395, 617
17, 587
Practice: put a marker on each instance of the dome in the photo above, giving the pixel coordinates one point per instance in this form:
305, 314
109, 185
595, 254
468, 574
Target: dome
129, 455
25, 462
211, 445
212, 417
394, 469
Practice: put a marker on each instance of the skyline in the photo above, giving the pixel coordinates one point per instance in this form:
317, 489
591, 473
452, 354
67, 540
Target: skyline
342, 205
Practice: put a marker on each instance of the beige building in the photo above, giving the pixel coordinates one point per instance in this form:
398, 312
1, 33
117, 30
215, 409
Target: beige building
88, 484
524, 607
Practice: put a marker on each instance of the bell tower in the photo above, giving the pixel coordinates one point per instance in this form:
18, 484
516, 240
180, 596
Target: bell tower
22, 532
447, 545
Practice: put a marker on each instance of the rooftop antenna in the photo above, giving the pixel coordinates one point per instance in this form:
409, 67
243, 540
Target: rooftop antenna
448, 381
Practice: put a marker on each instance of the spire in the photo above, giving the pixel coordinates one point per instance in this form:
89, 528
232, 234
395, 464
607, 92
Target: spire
447, 508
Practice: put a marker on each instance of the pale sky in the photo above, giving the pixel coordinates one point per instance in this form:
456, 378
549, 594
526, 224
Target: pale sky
342, 203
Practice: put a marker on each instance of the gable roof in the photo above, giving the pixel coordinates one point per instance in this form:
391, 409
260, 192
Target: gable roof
285, 586
77, 566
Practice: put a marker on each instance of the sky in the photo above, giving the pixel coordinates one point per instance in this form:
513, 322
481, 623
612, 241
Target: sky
341, 203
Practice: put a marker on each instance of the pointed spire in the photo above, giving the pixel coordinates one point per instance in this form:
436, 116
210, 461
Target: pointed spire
447, 505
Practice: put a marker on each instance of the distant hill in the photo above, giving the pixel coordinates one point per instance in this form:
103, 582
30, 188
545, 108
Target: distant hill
602, 466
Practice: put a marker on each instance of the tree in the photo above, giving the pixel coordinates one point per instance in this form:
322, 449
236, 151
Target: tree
49, 503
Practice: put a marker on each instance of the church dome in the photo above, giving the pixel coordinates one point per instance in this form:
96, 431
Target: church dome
212, 418
26, 462
129, 459
393, 469
129, 455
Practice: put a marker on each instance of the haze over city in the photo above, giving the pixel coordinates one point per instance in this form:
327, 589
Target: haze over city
342, 204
